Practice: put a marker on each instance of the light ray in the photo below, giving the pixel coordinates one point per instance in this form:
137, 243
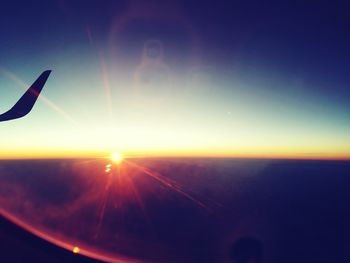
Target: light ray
106, 84
104, 72
104, 204
167, 182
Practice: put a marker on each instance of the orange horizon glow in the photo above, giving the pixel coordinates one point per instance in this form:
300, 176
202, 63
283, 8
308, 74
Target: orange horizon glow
173, 154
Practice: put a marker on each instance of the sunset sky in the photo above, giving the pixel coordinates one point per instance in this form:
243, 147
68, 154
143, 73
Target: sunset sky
238, 80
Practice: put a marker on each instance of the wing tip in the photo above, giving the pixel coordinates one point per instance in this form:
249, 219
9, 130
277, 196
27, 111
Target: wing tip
46, 72
25, 104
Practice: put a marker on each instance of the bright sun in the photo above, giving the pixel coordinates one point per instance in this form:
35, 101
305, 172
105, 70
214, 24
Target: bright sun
117, 157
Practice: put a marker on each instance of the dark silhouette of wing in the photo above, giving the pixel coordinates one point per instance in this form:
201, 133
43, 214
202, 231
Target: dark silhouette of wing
25, 104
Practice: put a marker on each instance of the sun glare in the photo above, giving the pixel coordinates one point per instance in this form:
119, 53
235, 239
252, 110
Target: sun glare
76, 250
117, 157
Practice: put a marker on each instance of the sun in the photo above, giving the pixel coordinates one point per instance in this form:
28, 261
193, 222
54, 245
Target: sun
117, 157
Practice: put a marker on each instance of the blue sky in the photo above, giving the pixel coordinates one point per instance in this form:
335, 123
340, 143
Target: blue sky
233, 79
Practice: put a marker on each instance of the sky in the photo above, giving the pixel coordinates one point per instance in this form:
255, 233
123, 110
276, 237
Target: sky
177, 78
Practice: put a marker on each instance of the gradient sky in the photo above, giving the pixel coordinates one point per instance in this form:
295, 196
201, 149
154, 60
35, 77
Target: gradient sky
234, 79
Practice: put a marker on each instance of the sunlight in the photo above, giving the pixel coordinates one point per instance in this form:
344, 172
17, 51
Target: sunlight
76, 250
117, 157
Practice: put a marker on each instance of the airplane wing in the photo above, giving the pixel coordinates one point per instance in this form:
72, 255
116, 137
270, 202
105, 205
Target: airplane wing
25, 104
